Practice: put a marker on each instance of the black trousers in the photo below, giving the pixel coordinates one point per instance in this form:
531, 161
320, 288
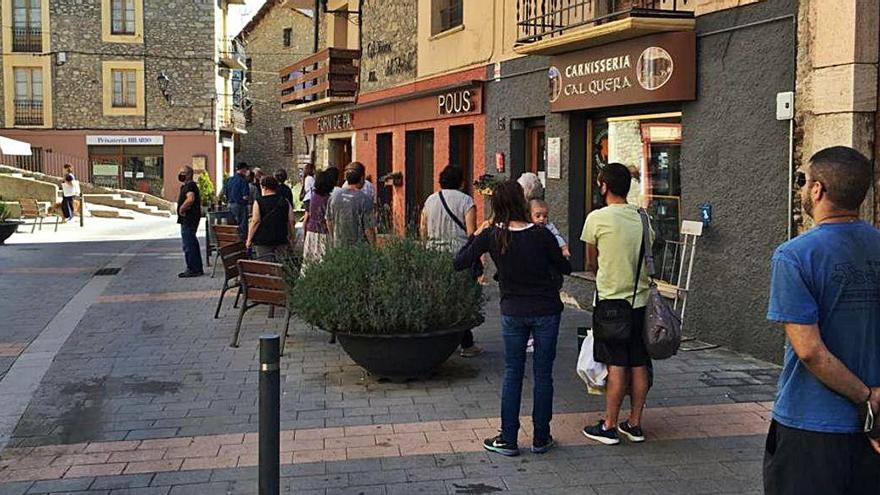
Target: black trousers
800, 462
467, 339
67, 206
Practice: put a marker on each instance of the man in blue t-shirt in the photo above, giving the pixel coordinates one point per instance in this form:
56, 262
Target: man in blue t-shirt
826, 291
238, 196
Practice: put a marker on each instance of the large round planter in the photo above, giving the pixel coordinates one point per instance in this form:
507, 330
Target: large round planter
401, 356
7, 229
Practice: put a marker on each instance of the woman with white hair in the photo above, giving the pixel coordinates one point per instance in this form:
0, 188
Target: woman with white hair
531, 185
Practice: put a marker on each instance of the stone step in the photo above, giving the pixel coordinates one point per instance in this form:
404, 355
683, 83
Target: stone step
122, 202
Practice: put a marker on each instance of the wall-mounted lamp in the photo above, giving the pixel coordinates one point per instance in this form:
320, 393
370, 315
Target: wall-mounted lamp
164, 81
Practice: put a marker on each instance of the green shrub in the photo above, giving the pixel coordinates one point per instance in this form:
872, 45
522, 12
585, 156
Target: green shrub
206, 188
400, 288
4, 212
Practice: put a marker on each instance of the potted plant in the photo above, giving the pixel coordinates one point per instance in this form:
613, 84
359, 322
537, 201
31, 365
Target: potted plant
206, 191
7, 227
485, 184
398, 310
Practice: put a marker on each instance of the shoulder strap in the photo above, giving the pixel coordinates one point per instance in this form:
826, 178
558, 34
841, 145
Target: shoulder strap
449, 212
646, 242
644, 250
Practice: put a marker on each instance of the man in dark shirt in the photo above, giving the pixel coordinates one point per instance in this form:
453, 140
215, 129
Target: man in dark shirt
189, 214
283, 189
238, 196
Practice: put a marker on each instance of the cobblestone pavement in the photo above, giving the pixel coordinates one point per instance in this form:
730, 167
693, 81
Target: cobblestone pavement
146, 397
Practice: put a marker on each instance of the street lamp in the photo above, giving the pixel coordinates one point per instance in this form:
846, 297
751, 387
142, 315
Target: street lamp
164, 81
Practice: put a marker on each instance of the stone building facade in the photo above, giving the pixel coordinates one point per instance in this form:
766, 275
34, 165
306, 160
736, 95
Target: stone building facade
127, 102
274, 137
388, 55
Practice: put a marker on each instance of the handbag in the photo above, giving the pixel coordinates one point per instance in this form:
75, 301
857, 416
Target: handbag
662, 324
476, 269
612, 318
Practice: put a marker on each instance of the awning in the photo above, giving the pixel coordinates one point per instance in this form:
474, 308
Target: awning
13, 147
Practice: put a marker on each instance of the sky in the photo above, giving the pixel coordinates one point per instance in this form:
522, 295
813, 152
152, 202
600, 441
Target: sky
241, 14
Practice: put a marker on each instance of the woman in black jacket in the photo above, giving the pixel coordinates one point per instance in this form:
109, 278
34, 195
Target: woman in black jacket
530, 264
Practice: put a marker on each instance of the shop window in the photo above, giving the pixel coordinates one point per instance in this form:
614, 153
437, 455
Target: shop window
651, 147
446, 15
288, 141
124, 88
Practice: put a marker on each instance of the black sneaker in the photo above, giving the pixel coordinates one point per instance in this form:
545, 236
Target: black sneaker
634, 433
600, 434
189, 274
498, 445
542, 446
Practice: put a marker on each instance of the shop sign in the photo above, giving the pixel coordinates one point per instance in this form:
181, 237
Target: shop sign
337, 122
125, 140
643, 70
455, 103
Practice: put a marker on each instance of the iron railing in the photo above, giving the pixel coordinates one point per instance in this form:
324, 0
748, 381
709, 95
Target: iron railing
231, 117
27, 39
47, 162
542, 19
330, 73
28, 112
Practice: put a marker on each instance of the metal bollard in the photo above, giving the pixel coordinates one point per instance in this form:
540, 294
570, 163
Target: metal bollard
270, 415
82, 209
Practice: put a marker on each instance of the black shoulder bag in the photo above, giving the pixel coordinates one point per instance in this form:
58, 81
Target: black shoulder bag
477, 267
612, 318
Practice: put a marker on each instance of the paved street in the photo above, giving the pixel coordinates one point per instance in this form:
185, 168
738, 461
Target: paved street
135, 391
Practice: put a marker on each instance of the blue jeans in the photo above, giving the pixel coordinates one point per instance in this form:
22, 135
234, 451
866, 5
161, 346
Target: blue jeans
191, 250
516, 331
240, 214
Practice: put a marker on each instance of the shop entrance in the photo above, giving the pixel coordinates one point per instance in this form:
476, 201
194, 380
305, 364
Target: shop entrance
385, 193
650, 145
136, 168
419, 175
339, 155
461, 152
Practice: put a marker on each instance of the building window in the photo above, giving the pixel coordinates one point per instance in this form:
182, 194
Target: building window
446, 15
28, 95
122, 13
124, 88
27, 29
249, 64
288, 140
288, 33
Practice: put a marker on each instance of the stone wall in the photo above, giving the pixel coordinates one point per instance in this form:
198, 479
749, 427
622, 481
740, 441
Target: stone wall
264, 143
178, 39
16, 188
625, 143
390, 42
735, 155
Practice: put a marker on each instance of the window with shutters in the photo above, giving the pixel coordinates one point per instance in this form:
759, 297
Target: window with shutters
124, 88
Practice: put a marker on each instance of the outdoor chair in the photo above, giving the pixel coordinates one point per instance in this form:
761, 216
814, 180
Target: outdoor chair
212, 218
261, 283
30, 210
229, 256
224, 235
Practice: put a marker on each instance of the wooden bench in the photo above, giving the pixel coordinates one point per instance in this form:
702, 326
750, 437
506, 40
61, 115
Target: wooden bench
30, 210
261, 283
230, 254
224, 235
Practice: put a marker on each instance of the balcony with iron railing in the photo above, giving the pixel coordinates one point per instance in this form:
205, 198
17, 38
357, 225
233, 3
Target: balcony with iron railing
547, 27
28, 112
232, 54
231, 118
27, 39
326, 78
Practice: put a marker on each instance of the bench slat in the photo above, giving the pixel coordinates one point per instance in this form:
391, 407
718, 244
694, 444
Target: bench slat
263, 282
266, 296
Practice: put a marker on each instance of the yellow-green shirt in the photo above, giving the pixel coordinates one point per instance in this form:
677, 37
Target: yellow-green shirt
616, 231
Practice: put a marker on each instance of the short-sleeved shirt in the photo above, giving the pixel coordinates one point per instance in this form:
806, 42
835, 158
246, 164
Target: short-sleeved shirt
829, 276
194, 213
308, 187
351, 213
443, 232
317, 214
616, 231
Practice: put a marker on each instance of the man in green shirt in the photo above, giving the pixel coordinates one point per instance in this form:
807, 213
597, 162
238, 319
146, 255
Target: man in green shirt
614, 238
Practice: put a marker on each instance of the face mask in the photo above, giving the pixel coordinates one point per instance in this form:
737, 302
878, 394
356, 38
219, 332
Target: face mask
181, 177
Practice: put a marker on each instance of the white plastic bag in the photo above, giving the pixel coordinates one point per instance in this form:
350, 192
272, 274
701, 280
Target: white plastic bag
590, 371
